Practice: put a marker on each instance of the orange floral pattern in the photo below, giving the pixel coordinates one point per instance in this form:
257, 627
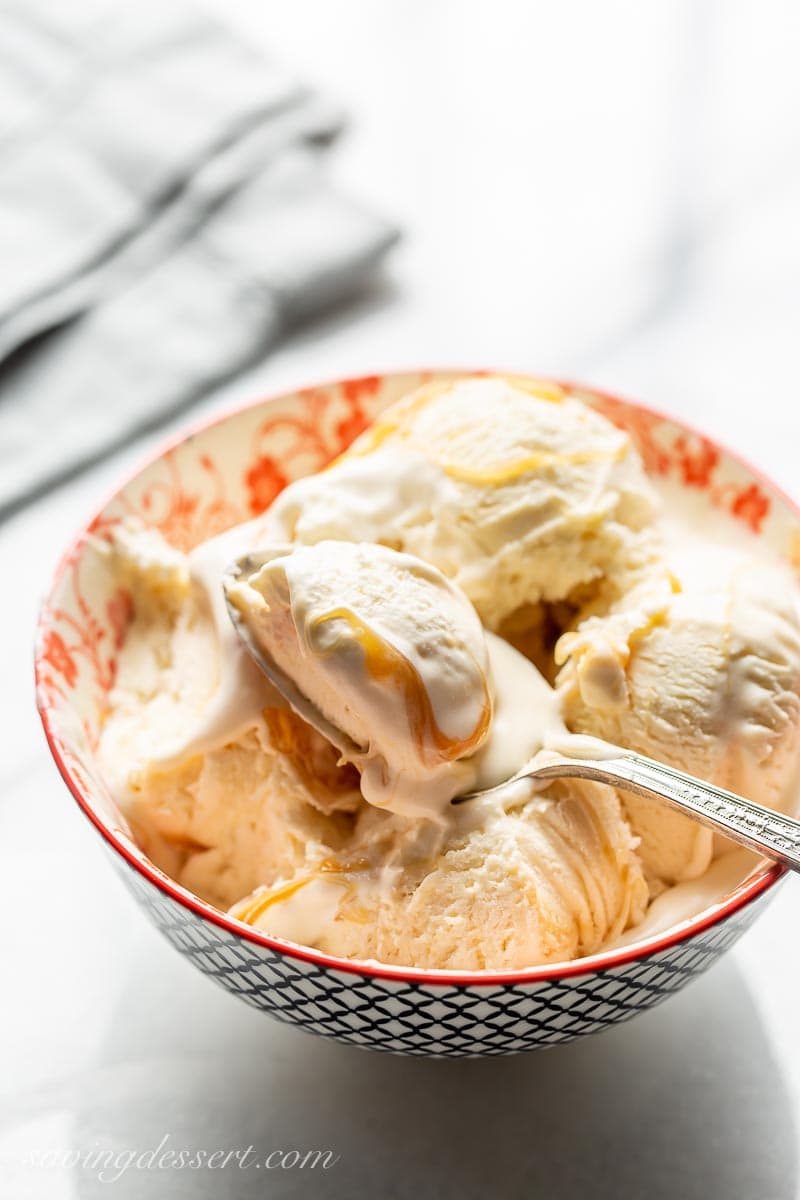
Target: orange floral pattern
78, 644
263, 480
696, 459
751, 505
58, 657
669, 450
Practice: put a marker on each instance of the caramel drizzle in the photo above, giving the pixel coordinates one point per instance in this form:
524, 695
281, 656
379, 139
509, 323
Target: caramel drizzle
256, 904
385, 662
399, 422
396, 420
500, 473
313, 758
250, 909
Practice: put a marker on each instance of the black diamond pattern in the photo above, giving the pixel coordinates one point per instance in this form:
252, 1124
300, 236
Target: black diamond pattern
441, 1021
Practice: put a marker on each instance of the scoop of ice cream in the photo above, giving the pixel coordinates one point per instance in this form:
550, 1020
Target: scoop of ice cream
699, 668
524, 880
191, 685
389, 651
515, 489
253, 811
223, 787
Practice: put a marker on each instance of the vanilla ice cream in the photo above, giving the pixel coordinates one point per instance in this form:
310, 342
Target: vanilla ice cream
514, 489
390, 652
510, 881
255, 813
223, 785
385, 588
699, 668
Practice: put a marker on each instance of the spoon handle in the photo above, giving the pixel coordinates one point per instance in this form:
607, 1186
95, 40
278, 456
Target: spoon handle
770, 833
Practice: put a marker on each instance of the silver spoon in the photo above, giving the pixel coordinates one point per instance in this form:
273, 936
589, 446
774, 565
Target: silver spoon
770, 833
243, 568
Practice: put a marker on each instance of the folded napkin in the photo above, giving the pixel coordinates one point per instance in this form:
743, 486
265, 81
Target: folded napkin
163, 215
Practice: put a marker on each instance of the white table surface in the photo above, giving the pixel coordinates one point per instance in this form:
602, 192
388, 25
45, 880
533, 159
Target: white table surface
604, 191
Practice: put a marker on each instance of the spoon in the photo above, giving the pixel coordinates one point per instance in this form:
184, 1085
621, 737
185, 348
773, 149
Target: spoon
243, 568
764, 830
770, 833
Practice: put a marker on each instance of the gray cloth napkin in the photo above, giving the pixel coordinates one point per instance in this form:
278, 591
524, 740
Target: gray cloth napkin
163, 215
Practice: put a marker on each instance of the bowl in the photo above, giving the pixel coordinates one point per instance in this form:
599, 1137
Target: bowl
227, 471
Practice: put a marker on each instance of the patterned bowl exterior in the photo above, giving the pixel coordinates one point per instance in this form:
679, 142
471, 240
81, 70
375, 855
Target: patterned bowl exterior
405, 1016
226, 472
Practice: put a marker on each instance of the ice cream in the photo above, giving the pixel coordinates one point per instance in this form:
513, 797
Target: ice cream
393, 655
265, 820
504, 884
700, 668
223, 786
390, 652
386, 589
512, 488
213, 690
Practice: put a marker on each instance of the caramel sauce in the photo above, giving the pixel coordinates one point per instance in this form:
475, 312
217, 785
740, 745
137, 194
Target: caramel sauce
540, 389
385, 662
313, 758
500, 473
256, 904
399, 422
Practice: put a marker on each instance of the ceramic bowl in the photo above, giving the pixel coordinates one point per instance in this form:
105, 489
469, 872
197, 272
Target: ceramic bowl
228, 471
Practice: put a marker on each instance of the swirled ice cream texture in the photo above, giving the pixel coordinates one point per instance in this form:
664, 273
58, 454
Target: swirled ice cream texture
698, 667
522, 879
529, 504
267, 823
390, 652
512, 488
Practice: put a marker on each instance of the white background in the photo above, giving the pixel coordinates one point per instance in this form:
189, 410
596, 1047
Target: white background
604, 191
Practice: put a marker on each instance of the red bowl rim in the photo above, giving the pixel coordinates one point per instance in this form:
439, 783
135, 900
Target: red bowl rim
747, 892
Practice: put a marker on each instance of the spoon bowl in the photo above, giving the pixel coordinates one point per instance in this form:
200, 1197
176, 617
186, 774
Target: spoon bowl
238, 571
